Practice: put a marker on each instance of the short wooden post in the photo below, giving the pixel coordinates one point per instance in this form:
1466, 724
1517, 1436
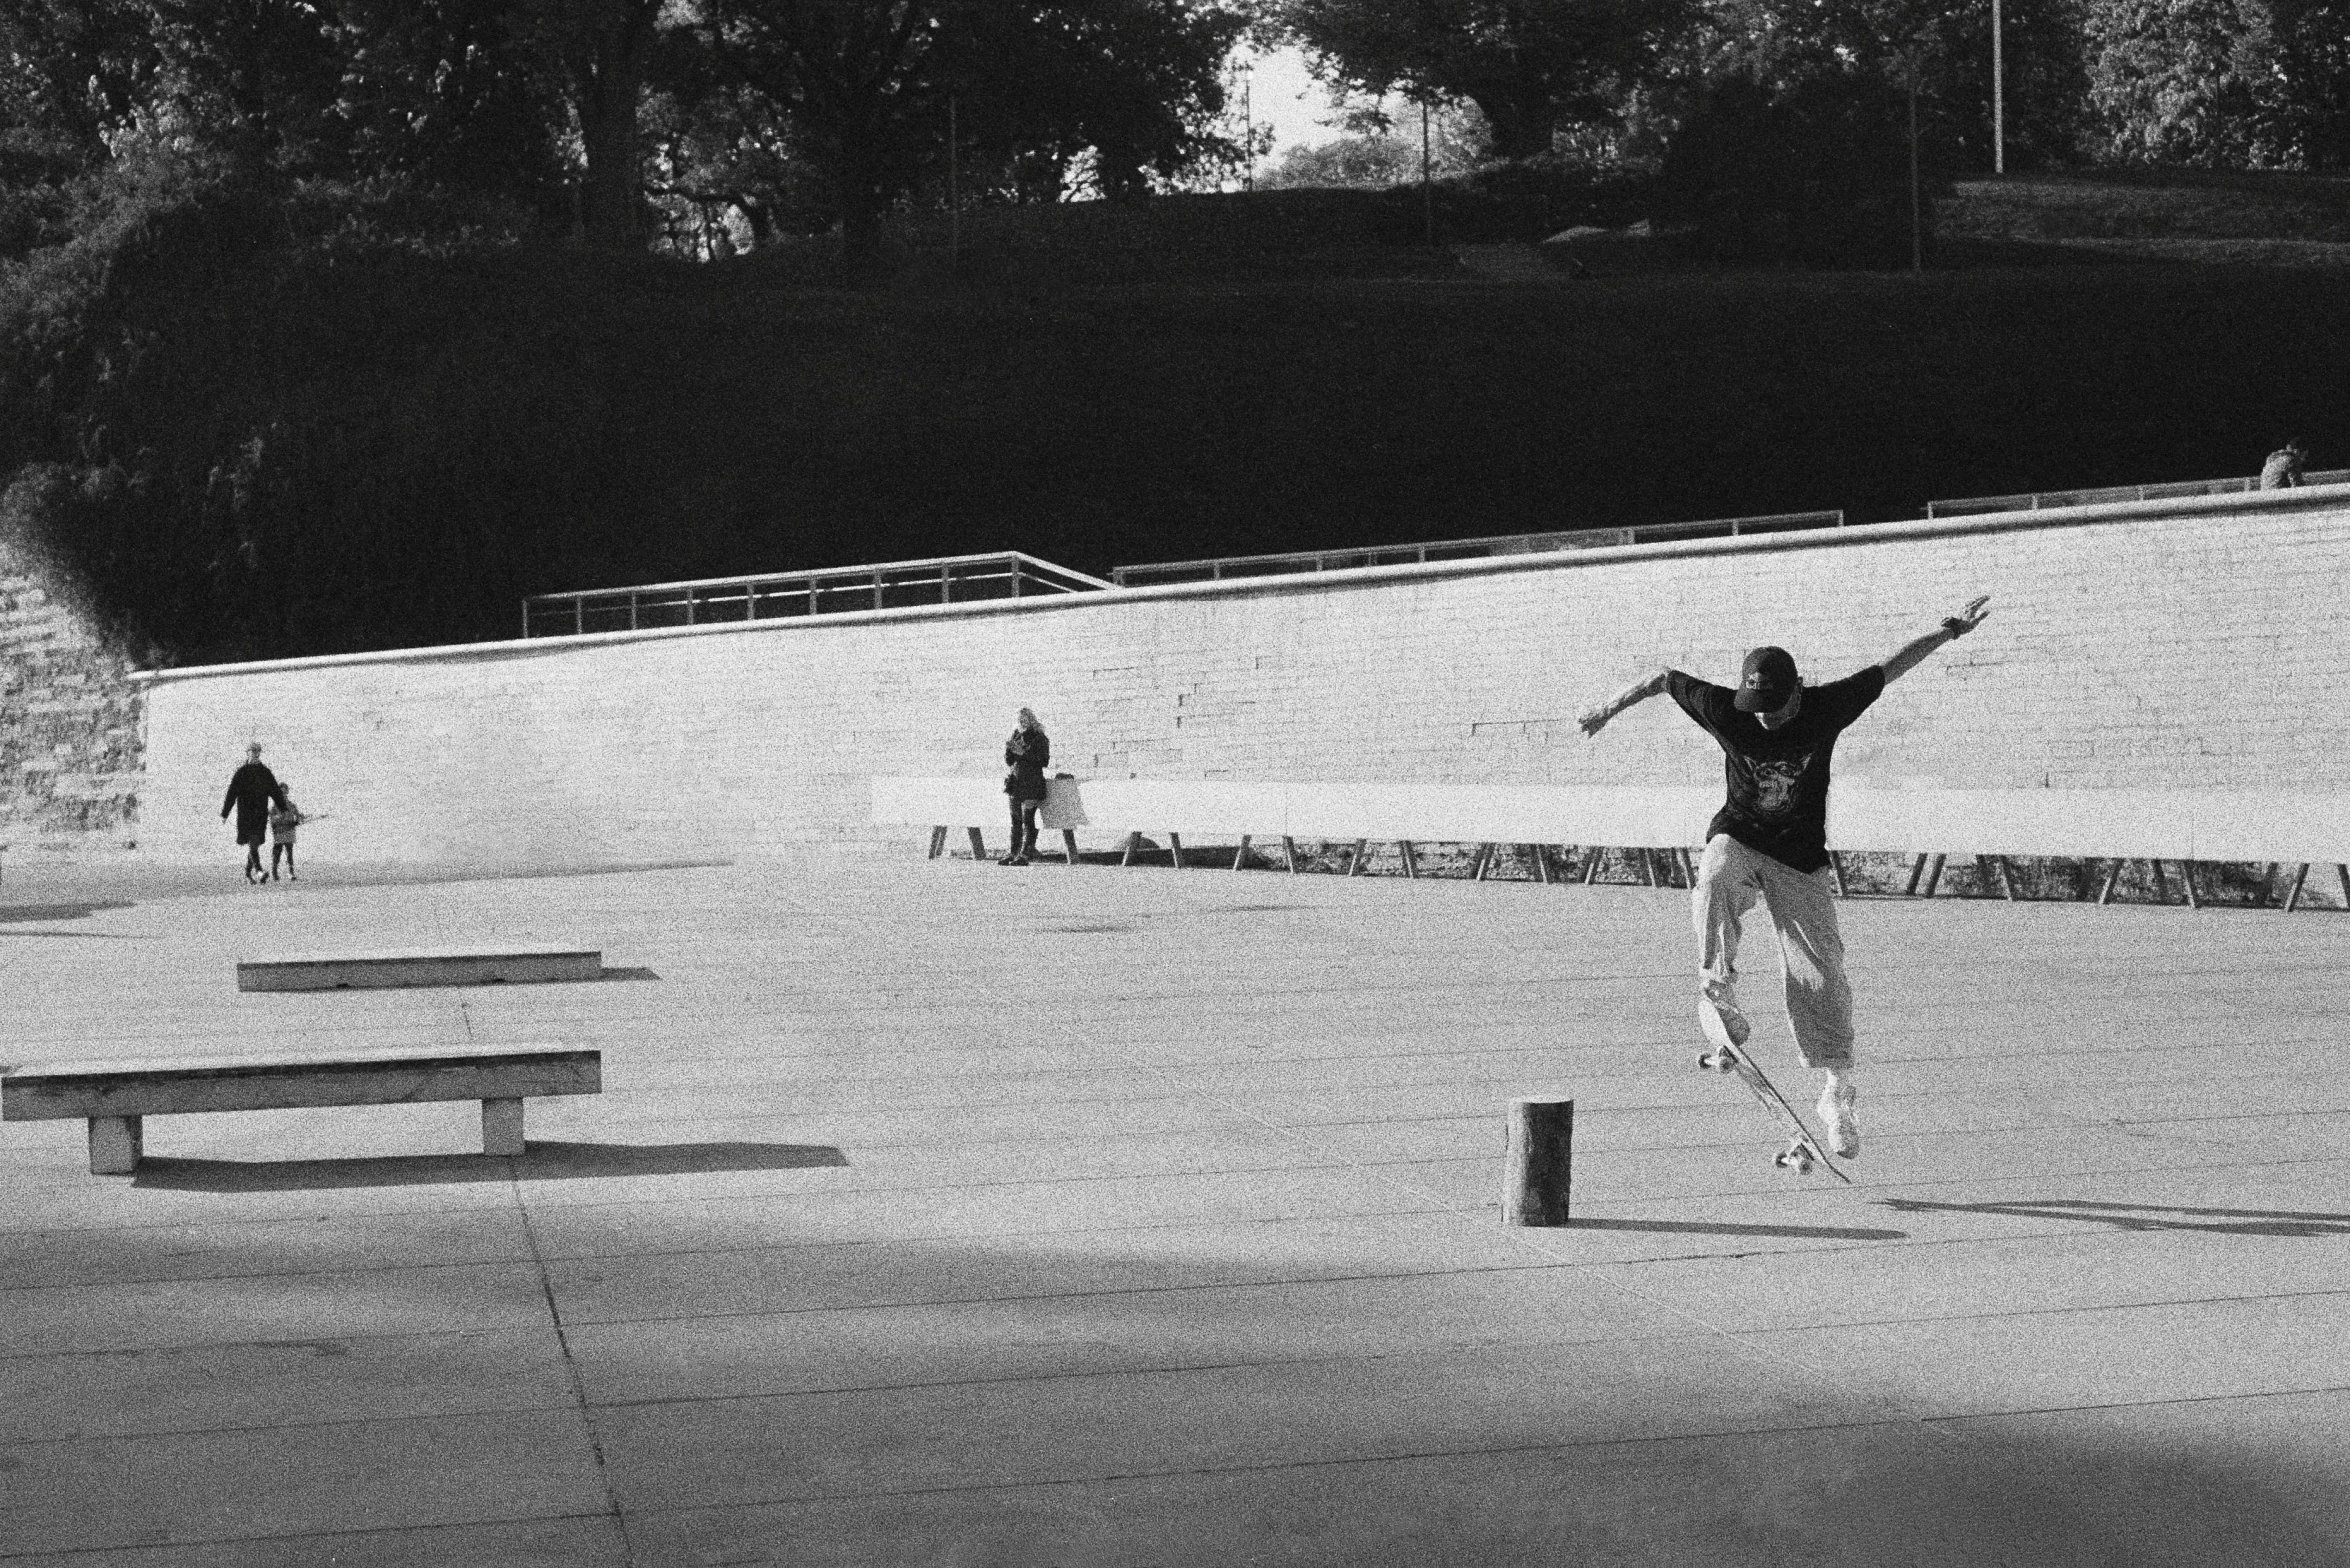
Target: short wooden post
1175, 849
1411, 862
1069, 844
1537, 1167
938, 842
501, 1128
2113, 874
1289, 853
2294, 897
116, 1143
978, 845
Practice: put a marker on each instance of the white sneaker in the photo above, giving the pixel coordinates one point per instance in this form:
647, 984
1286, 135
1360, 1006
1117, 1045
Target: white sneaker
1718, 1014
1836, 1116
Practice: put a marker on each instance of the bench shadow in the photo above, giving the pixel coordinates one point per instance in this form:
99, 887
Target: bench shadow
10, 914
2146, 1216
541, 1161
627, 972
1796, 1232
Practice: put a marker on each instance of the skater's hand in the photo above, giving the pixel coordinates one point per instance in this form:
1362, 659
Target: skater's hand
1595, 721
1969, 618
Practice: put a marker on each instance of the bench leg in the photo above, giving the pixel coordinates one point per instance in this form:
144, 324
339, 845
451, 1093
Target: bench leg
1240, 855
1069, 844
1411, 862
1175, 849
1355, 856
501, 1127
1541, 854
2293, 898
938, 842
1289, 853
115, 1145
2112, 875
978, 844
1133, 841
1934, 875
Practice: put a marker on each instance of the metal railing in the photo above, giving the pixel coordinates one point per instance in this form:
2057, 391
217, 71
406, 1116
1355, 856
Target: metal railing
1221, 567
2044, 499
951, 579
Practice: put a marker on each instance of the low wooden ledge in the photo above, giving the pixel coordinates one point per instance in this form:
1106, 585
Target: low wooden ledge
114, 1094
504, 964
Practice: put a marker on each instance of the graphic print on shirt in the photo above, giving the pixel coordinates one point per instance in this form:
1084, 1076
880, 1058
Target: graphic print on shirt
1775, 782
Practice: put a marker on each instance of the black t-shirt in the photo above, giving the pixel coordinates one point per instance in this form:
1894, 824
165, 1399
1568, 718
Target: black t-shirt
1778, 779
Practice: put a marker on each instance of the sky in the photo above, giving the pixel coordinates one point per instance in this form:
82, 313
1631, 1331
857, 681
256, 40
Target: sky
1282, 95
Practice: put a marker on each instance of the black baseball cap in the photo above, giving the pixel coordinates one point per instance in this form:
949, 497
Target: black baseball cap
1767, 681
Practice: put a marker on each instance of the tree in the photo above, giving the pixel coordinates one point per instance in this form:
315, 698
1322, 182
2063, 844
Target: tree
1129, 87
1531, 66
2234, 83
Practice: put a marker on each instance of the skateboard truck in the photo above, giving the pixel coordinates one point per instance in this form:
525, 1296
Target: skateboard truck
1803, 1150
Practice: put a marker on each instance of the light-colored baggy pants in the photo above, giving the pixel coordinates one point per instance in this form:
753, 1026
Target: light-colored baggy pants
1811, 950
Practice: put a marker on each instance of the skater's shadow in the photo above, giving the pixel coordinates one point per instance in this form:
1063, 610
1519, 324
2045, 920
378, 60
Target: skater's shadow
1791, 1232
2146, 1216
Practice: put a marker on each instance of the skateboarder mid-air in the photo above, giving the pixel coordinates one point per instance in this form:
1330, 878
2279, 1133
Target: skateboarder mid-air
1770, 841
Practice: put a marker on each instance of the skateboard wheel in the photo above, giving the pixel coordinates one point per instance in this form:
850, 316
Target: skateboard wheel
1705, 1059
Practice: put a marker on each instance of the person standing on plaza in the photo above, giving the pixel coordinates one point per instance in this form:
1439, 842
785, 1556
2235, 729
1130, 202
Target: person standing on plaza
2285, 467
1770, 841
252, 790
1027, 754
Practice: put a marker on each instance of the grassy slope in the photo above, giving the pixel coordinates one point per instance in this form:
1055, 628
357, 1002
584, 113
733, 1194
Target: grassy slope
444, 436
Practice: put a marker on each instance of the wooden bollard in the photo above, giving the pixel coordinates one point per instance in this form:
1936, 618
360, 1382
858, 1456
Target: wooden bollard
1538, 1167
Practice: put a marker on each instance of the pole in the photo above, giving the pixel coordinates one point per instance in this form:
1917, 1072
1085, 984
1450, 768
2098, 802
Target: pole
954, 202
1248, 127
1916, 193
1427, 191
1998, 95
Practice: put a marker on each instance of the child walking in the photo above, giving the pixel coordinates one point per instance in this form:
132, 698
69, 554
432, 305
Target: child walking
284, 819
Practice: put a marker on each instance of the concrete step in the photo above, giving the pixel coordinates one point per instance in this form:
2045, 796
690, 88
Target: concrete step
505, 964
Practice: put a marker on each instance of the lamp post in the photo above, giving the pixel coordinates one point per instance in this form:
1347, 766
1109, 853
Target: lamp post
1998, 95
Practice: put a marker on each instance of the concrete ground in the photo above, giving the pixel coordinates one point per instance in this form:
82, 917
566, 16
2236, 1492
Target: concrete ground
937, 1213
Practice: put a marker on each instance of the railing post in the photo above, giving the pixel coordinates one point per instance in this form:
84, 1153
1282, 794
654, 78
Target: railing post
579, 616
946, 585
877, 590
689, 607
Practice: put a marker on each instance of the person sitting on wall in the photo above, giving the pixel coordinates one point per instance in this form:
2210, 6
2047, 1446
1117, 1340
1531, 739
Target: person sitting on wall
1026, 754
1770, 841
2285, 467
252, 790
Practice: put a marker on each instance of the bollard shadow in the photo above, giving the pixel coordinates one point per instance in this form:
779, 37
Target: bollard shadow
2145, 1216
540, 1161
1792, 1232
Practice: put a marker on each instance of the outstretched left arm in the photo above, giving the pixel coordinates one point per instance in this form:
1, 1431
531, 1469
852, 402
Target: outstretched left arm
1913, 655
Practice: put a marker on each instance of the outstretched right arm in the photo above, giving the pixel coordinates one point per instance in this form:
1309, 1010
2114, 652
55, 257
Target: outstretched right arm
1638, 692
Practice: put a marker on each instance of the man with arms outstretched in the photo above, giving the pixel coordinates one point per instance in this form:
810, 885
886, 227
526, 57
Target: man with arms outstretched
1770, 841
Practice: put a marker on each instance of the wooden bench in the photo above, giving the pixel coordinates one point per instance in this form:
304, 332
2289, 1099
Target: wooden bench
115, 1095
510, 964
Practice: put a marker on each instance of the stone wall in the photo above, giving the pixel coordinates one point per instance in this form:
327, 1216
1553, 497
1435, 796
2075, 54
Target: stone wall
69, 722
2176, 645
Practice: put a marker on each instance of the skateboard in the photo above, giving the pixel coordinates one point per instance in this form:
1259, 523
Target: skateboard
1803, 1150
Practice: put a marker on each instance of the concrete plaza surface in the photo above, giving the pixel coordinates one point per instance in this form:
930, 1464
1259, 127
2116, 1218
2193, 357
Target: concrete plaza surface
938, 1213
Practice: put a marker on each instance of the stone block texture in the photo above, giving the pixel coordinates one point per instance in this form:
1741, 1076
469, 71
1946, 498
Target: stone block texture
69, 722
2163, 645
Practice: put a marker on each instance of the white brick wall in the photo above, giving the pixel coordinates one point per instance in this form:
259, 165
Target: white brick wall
2185, 645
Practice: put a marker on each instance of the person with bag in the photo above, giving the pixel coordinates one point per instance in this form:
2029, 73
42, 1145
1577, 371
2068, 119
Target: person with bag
1027, 754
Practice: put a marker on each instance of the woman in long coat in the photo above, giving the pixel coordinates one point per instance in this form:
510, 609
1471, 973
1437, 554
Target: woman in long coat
252, 790
1027, 754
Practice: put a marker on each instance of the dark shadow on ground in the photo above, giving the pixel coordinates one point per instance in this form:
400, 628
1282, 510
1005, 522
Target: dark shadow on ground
2146, 1216
542, 1161
1799, 1232
627, 972
10, 914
